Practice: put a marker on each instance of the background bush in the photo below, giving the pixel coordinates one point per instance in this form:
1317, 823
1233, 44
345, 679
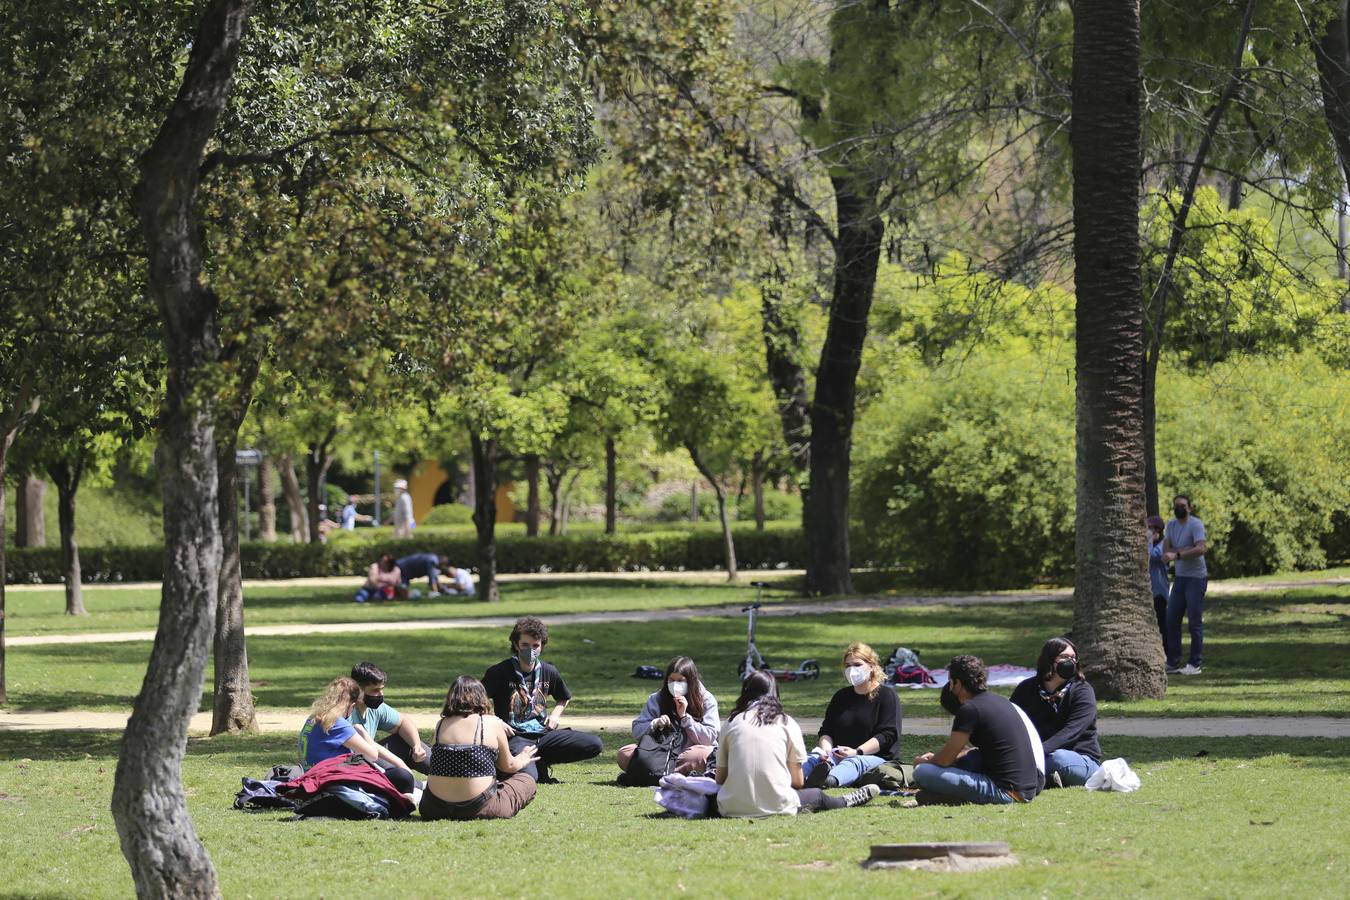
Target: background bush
448, 514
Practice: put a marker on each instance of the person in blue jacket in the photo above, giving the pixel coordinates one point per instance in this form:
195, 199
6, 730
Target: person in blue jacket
1157, 573
1063, 707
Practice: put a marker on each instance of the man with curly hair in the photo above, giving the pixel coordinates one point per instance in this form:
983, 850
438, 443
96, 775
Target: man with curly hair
520, 687
993, 755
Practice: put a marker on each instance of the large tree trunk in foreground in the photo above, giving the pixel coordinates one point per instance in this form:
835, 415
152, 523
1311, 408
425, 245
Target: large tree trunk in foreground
12, 419
295, 499
148, 803
532, 497
30, 521
232, 704
485, 513
67, 479
267, 499
728, 542
825, 516
1113, 621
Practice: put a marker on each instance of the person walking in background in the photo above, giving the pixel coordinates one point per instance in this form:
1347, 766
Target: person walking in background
403, 510
350, 516
1184, 544
1157, 573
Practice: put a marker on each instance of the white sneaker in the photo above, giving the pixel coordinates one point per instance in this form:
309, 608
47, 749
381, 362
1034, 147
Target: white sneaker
1189, 669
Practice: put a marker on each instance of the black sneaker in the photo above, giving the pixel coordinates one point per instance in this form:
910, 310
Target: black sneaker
863, 795
818, 775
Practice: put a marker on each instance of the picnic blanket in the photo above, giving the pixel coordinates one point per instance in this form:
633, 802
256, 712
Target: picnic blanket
999, 675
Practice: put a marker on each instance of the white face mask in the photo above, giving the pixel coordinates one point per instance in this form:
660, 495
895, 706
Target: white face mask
678, 688
857, 675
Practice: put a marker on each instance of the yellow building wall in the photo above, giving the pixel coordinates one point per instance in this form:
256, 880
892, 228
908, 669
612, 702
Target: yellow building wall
428, 476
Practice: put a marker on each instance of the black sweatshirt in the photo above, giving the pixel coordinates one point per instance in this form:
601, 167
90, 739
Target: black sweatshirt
1070, 725
853, 718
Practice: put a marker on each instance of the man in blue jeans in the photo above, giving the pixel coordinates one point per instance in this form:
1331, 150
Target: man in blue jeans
993, 755
1184, 543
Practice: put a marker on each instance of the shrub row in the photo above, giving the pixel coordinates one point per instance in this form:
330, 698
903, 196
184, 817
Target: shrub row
772, 548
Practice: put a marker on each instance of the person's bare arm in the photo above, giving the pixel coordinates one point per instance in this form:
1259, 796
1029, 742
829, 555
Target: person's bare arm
357, 743
795, 770
949, 753
1196, 549
408, 731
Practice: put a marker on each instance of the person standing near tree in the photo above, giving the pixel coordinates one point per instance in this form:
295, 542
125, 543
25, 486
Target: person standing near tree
1184, 544
403, 510
1157, 573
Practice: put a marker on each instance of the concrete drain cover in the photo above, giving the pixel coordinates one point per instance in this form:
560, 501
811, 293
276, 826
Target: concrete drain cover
941, 857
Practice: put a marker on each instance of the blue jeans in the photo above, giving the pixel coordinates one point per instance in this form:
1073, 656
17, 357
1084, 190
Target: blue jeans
845, 771
964, 781
1074, 768
1187, 599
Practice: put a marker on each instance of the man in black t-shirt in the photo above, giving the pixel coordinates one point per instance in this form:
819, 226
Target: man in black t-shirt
993, 755
520, 687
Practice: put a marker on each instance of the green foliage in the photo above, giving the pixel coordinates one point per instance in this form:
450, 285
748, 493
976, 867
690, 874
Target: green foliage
675, 508
778, 507
448, 514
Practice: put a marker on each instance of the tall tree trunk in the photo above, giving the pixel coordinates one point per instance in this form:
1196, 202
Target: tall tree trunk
30, 521
1156, 310
295, 499
554, 476
566, 504
825, 516
1332, 52
12, 419
485, 513
782, 346
148, 804
232, 705
267, 499
757, 487
317, 461
1113, 621
728, 542
611, 485
66, 476
532, 497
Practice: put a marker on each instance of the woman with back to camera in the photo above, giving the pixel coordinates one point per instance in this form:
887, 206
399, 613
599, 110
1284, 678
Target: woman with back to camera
1063, 707
683, 701
759, 762
470, 746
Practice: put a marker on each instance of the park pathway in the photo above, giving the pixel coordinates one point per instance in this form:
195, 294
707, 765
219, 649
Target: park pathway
787, 608
288, 721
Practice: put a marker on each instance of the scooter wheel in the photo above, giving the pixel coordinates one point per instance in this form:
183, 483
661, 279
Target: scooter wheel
810, 669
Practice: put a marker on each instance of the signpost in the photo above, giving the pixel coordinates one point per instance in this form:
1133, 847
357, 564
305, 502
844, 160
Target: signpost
248, 459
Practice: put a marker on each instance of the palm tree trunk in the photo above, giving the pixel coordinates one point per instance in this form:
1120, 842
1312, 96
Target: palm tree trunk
1114, 624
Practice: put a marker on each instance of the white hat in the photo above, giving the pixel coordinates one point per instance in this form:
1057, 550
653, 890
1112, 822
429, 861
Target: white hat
400, 485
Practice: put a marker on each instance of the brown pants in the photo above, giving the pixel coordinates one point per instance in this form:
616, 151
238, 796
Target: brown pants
510, 797
693, 759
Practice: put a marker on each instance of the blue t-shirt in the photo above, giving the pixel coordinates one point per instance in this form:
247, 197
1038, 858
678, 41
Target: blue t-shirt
349, 517
316, 745
1157, 569
419, 565
1183, 533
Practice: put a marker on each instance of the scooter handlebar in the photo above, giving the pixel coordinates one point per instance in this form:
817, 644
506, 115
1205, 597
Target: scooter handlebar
751, 606
759, 584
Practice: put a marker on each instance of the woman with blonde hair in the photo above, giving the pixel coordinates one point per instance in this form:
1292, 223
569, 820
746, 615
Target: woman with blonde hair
862, 724
327, 733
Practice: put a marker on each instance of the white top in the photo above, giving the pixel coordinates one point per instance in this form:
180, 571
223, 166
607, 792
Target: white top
756, 758
463, 581
403, 511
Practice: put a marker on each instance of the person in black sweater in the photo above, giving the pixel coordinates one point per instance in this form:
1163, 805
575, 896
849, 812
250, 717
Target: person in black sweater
1063, 707
993, 754
862, 724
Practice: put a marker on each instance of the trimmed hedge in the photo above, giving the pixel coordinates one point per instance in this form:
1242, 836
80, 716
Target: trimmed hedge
773, 548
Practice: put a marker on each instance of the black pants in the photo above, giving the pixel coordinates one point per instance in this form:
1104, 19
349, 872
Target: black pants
816, 800
1160, 610
396, 745
399, 777
561, 746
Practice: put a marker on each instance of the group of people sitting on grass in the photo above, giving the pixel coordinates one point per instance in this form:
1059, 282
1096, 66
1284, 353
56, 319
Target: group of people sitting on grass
390, 579
497, 738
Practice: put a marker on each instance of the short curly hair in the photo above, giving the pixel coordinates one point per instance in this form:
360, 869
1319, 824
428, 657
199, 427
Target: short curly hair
532, 626
970, 671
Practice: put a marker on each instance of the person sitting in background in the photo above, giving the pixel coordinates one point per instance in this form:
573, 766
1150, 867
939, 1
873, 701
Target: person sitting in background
328, 733
421, 565
471, 748
1063, 707
759, 761
459, 583
683, 701
862, 724
382, 581
373, 716
1157, 573
993, 755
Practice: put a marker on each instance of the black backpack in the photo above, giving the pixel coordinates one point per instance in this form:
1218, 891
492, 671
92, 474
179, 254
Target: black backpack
657, 755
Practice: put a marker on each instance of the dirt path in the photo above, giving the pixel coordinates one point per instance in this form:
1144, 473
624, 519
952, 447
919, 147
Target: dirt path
281, 721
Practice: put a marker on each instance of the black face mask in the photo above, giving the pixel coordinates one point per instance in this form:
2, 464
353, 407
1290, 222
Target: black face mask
374, 702
1181, 511
948, 699
1066, 669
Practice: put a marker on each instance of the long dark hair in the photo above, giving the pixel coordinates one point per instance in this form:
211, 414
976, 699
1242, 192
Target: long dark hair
682, 665
759, 686
1045, 663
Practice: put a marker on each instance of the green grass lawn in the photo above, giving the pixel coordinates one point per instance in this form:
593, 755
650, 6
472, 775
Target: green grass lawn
1275, 653
1215, 818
